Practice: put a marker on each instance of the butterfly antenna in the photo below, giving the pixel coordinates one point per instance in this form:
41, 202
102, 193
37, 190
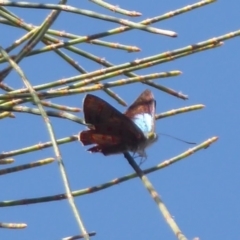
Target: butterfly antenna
181, 140
138, 156
142, 161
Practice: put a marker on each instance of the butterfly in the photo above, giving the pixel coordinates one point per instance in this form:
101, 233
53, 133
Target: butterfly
114, 132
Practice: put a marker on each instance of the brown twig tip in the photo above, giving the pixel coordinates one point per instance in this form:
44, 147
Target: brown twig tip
13, 225
6, 161
135, 14
166, 33
210, 141
12, 115
134, 49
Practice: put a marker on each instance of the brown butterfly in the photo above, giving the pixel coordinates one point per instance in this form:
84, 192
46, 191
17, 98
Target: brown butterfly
113, 132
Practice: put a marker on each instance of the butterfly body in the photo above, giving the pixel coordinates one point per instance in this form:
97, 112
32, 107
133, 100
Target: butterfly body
114, 132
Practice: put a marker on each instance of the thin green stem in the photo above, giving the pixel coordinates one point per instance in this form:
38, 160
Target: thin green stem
156, 197
113, 182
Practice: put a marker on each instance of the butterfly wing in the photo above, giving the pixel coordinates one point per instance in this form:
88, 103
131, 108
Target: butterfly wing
97, 111
111, 130
109, 149
142, 112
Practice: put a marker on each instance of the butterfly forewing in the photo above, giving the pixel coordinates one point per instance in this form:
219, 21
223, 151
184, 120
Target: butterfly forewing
142, 112
97, 111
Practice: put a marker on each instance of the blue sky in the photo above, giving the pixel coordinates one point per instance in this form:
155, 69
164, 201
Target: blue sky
201, 192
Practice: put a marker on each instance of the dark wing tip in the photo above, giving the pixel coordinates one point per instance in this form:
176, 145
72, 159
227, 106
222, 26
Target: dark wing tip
147, 94
145, 103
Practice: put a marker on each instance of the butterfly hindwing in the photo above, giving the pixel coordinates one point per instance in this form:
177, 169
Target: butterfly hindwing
89, 137
109, 149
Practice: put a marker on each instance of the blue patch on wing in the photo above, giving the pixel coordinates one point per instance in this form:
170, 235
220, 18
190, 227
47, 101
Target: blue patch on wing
144, 121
